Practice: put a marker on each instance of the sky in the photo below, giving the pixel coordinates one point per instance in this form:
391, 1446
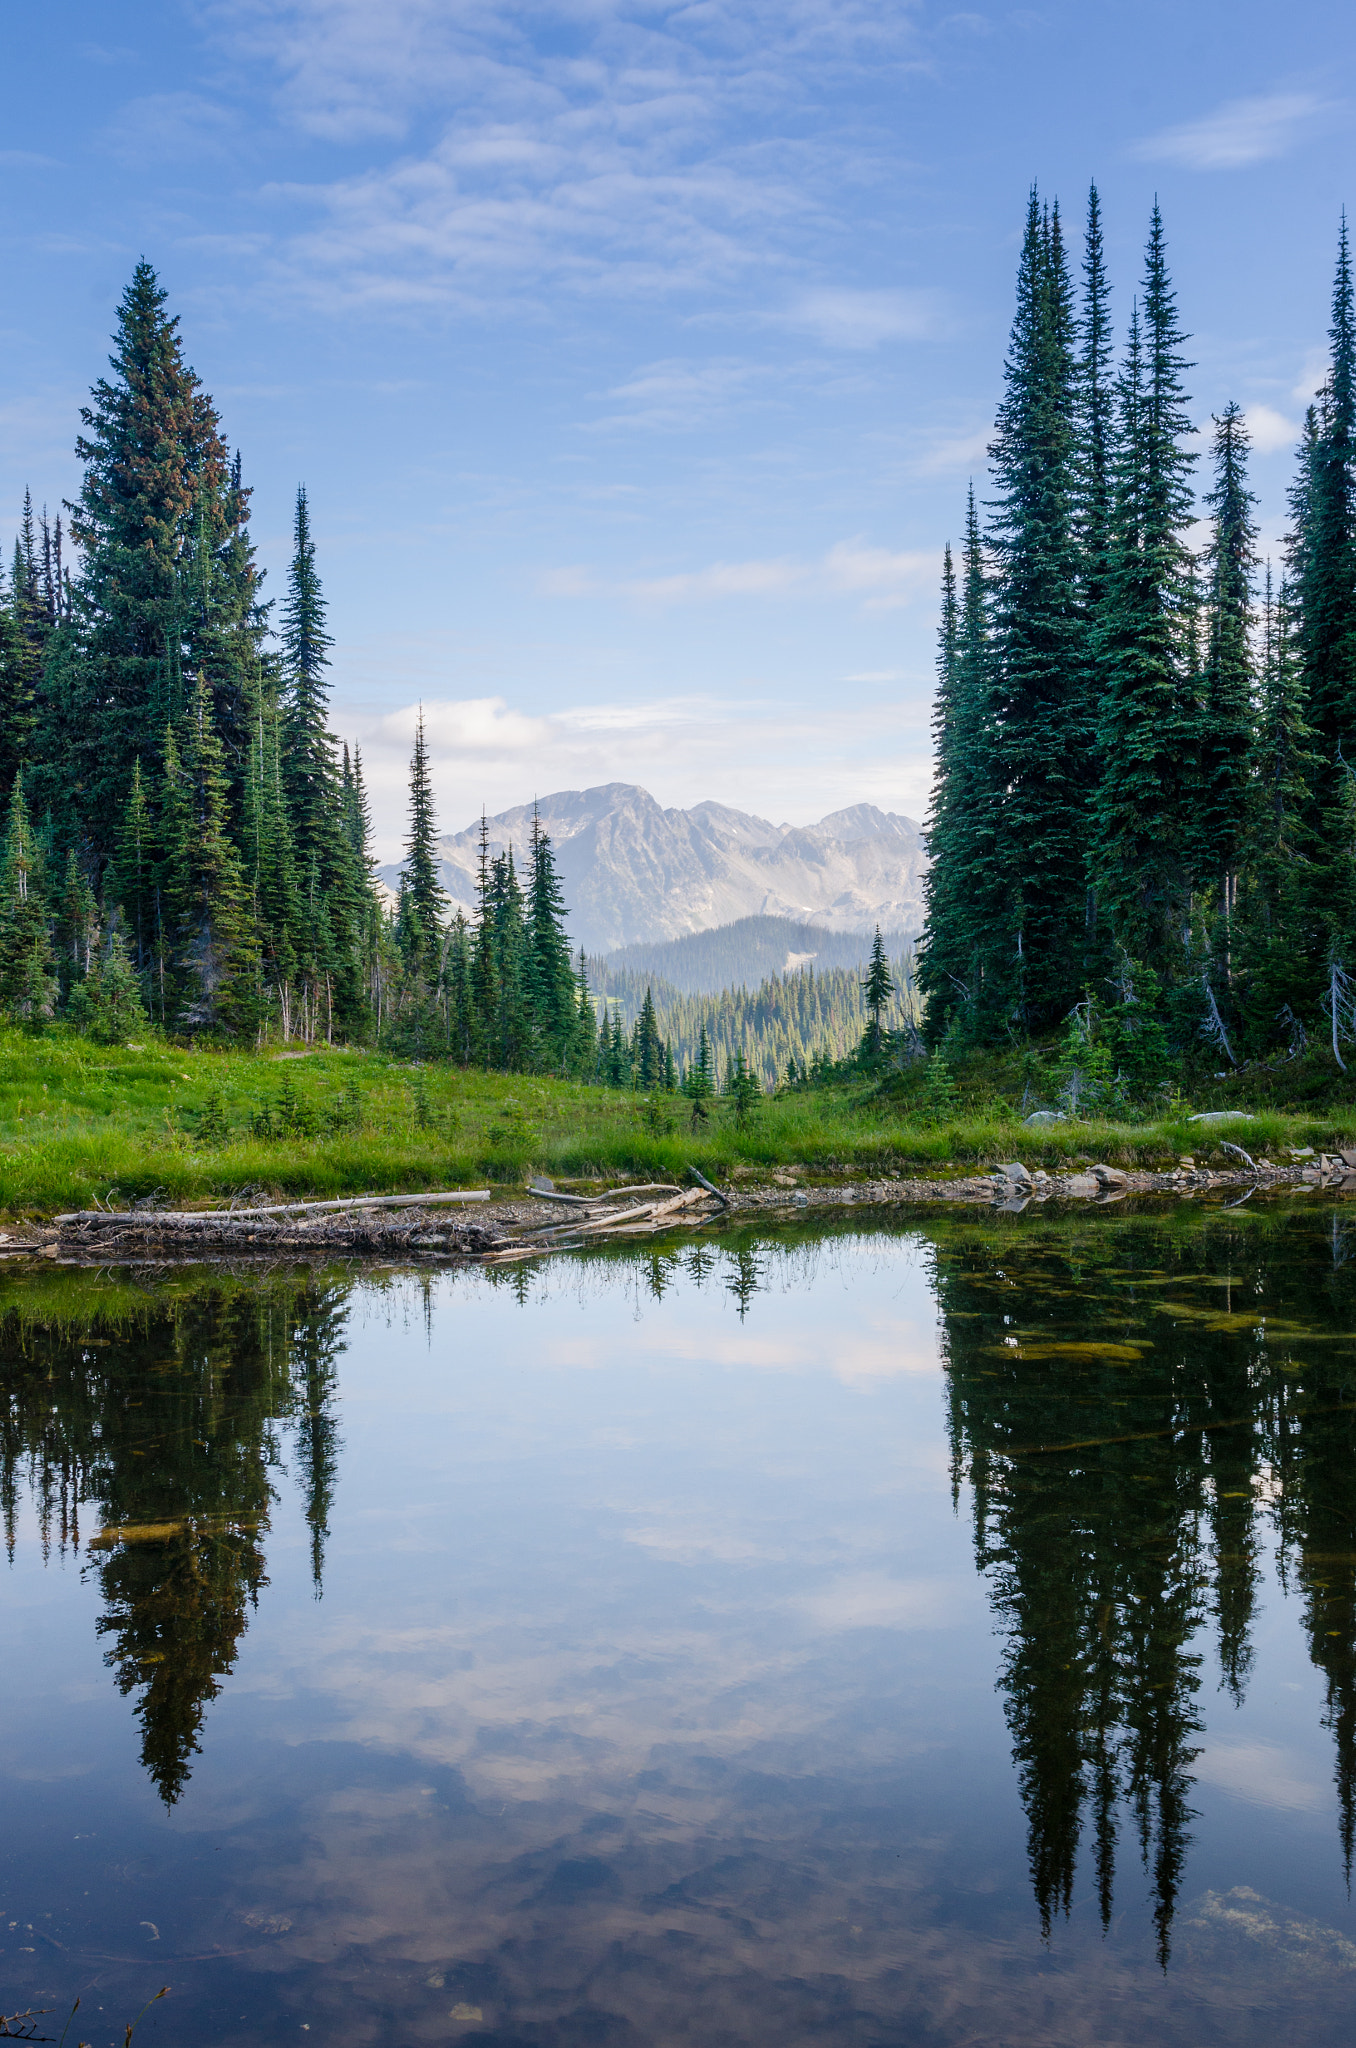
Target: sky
636, 357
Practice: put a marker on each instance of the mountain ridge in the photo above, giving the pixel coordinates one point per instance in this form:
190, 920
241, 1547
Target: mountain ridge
635, 872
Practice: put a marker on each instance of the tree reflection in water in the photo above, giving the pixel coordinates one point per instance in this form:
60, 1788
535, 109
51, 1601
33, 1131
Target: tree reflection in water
1135, 1408
162, 1409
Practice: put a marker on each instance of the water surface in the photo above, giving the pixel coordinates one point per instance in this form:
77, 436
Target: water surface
879, 1634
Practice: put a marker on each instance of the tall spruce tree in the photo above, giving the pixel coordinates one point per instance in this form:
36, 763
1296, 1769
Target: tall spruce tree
212, 949
28, 984
549, 973
1226, 715
1043, 729
1324, 563
154, 459
1146, 795
420, 879
312, 775
964, 890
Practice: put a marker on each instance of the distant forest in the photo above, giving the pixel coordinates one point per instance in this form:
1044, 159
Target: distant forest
1144, 813
744, 953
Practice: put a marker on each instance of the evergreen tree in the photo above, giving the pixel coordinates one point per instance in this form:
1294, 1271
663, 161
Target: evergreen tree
312, 778
1043, 735
428, 898
1220, 821
28, 986
1146, 794
878, 989
550, 982
963, 887
1324, 566
648, 1050
212, 952
154, 458
133, 880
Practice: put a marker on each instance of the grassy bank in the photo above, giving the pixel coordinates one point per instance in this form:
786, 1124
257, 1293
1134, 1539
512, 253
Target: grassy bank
80, 1123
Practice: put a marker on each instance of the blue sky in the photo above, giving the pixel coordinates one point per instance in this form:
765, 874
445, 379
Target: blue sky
636, 356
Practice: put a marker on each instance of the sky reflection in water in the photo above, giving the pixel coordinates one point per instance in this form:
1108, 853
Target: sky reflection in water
597, 1653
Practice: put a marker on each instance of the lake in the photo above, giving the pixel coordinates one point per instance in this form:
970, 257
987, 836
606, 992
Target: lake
886, 1632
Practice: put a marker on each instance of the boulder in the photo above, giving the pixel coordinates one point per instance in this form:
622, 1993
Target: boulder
1046, 1116
1016, 1173
1081, 1184
1108, 1176
1221, 1116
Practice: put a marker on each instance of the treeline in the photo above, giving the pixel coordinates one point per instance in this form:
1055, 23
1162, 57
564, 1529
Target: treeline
186, 844
795, 1026
1145, 794
749, 951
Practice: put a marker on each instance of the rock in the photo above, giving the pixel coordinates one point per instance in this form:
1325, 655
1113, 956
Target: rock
1221, 1116
1347, 1155
1046, 1116
1016, 1173
1108, 1176
1014, 1204
801, 1201
1081, 1184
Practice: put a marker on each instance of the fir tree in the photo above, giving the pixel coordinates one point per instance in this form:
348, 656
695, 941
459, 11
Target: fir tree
153, 456
1324, 565
28, 986
211, 949
878, 989
419, 876
1220, 820
550, 983
1043, 733
312, 778
1145, 798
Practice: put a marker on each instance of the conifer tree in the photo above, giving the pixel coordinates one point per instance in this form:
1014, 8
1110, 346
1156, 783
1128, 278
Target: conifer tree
428, 898
1220, 821
153, 457
312, 779
1146, 795
878, 988
133, 880
28, 985
549, 974
648, 1050
1324, 563
1043, 733
212, 952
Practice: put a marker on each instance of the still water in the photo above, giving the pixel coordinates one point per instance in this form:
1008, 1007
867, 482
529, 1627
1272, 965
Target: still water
896, 1633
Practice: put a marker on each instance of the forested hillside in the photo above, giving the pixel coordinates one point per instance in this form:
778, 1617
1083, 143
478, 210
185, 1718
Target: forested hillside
743, 954
1144, 813
793, 1024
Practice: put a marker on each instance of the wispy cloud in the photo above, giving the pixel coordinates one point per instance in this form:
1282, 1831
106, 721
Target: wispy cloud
843, 318
884, 577
484, 750
1241, 132
170, 126
594, 142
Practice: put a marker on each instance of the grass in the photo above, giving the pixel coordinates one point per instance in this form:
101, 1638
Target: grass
80, 1123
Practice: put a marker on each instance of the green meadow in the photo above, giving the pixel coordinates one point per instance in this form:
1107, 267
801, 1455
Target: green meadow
82, 1124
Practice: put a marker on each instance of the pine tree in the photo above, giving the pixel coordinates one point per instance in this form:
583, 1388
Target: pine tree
964, 892
1043, 739
28, 986
648, 1050
549, 974
1324, 567
212, 953
419, 876
1220, 820
134, 868
878, 989
312, 779
153, 457
1146, 794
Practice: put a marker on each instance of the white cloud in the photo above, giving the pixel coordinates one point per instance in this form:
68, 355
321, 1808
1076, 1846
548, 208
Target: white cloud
960, 454
1270, 430
484, 750
1264, 1774
1241, 132
863, 319
884, 577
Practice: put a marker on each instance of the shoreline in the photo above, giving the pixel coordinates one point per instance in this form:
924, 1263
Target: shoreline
533, 1225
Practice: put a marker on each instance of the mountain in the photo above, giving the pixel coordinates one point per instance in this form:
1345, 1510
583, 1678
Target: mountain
635, 872
748, 952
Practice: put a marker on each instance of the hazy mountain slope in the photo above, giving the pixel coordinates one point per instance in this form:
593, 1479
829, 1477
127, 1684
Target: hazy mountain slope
633, 871
748, 952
